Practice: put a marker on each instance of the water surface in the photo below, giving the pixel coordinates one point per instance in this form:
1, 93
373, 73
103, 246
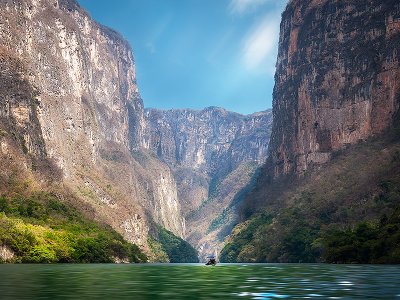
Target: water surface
196, 281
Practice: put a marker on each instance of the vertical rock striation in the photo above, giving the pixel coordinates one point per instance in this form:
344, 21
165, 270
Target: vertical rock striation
213, 154
18, 106
68, 93
337, 79
74, 98
204, 146
207, 140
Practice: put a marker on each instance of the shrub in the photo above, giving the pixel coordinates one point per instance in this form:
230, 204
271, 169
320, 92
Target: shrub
41, 229
178, 250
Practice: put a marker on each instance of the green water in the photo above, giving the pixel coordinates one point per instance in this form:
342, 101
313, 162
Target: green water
196, 281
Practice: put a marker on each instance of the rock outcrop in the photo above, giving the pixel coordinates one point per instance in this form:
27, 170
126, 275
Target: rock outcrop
213, 154
337, 79
69, 93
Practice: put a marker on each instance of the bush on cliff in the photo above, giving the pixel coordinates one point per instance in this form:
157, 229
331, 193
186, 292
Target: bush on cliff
41, 229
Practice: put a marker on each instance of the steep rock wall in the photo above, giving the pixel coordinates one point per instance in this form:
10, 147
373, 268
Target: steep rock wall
213, 154
204, 146
337, 79
208, 139
81, 107
18, 107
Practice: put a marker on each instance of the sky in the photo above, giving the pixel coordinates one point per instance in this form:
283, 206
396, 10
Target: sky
199, 53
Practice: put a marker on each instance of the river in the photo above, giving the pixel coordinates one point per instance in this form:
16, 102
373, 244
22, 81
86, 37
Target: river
196, 281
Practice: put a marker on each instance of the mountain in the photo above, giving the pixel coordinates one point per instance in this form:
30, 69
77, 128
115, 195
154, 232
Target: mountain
213, 155
330, 188
78, 150
72, 120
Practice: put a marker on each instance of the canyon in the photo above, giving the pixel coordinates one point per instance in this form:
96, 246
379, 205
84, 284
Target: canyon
273, 186
72, 119
74, 100
214, 156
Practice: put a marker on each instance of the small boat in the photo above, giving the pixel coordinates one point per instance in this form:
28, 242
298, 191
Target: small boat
212, 261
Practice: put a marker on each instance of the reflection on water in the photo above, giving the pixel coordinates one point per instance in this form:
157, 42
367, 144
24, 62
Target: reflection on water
195, 281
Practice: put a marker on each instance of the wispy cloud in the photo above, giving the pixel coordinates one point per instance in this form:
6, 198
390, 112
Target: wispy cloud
242, 6
219, 47
260, 44
158, 30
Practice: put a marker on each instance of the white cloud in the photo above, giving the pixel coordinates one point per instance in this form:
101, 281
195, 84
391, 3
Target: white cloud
260, 45
242, 6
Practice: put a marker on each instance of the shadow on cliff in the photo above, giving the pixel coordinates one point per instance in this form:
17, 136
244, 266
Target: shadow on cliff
298, 219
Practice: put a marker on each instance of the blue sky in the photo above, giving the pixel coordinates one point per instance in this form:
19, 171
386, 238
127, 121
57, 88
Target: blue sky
199, 53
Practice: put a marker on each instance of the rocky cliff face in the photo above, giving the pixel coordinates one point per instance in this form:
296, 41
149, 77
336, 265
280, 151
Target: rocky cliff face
68, 89
208, 139
204, 146
213, 154
337, 79
68, 95
337, 82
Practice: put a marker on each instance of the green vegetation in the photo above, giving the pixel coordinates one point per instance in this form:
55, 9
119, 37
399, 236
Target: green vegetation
41, 229
158, 253
367, 242
178, 250
335, 214
239, 249
220, 220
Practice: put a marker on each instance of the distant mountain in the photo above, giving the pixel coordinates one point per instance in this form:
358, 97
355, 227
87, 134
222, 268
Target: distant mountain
213, 154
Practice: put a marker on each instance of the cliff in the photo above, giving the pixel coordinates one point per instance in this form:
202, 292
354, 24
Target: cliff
337, 79
208, 140
69, 95
213, 154
72, 123
329, 190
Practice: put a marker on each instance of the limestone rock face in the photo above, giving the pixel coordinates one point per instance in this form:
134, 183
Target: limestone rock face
213, 153
337, 79
68, 93
204, 145
209, 140
76, 101
18, 107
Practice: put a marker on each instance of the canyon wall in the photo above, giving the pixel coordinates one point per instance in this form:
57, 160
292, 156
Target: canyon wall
337, 79
333, 164
71, 111
213, 154
69, 93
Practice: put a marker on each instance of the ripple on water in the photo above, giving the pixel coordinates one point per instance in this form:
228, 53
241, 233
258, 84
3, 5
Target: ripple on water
182, 282
262, 295
346, 283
